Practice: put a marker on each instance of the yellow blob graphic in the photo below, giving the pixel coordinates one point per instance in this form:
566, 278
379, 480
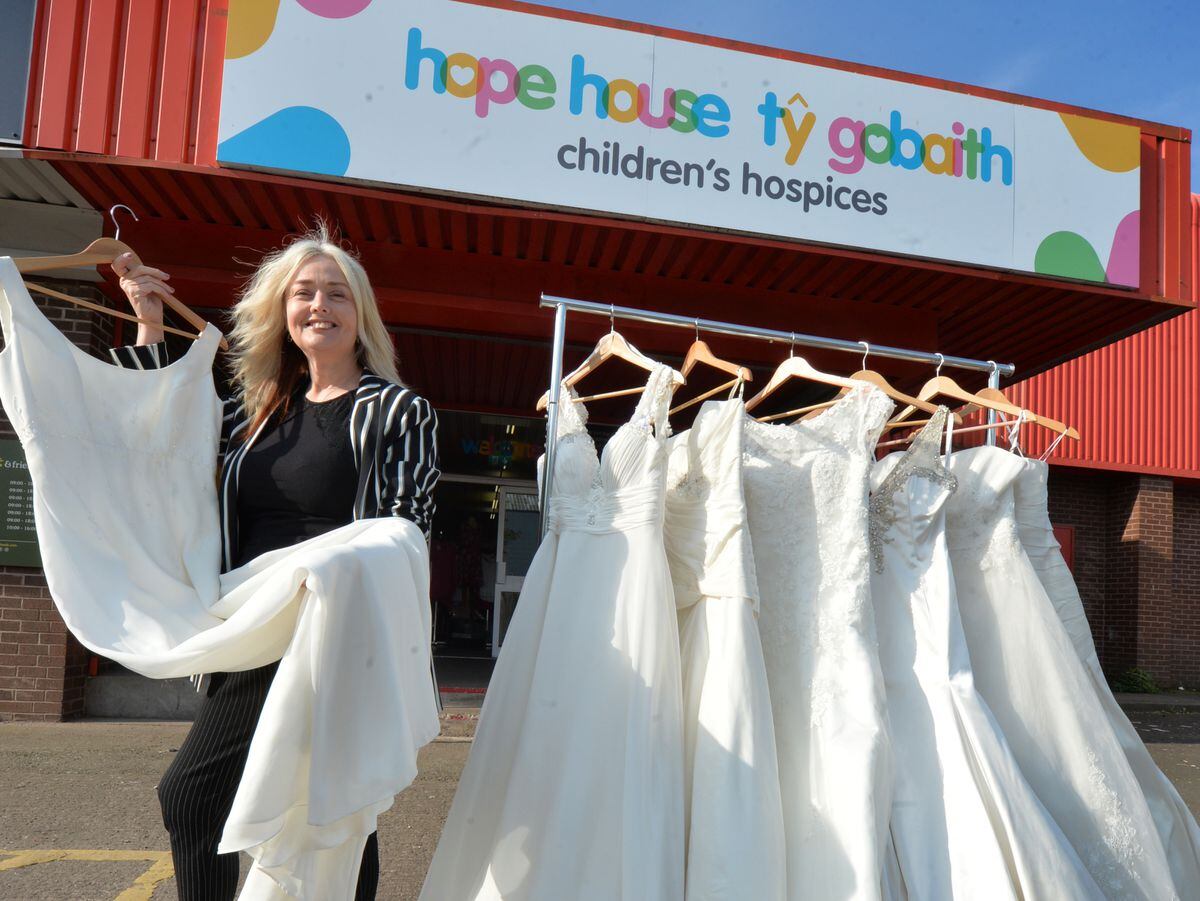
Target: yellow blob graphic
250, 24
1116, 148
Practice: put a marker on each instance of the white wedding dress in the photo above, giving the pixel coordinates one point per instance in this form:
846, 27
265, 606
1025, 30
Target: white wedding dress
806, 487
964, 822
1027, 670
733, 812
1176, 826
123, 464
574, 787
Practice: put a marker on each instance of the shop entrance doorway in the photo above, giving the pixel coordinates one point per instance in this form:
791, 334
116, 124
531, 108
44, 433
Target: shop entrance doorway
516, 542
484, 535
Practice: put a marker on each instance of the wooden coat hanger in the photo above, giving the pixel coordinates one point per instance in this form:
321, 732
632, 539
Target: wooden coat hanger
995, 394
847, 384
879, 381
105, 251
984, 399
612, 345
701, 353
800, 368
944, 386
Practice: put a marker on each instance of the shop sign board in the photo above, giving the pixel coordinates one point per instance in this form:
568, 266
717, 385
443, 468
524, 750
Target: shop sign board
490, 102
18, 534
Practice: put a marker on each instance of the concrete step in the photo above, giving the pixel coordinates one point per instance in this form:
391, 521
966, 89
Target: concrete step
1177, 701
126, 695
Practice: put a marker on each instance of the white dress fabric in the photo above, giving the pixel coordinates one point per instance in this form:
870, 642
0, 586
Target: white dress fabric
1027, 670
123, 465
1176, 826
733, 809
574, 786
806, 487
964, 822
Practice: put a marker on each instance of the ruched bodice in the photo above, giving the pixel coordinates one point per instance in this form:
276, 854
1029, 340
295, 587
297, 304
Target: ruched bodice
707, 537
623, 486
1032, 506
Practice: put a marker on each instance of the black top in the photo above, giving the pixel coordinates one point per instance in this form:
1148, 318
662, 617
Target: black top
298, 479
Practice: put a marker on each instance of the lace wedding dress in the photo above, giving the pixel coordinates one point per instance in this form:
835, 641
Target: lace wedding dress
964, 823
1176, 826
1027, 670
806, 487
733, 813
574, 785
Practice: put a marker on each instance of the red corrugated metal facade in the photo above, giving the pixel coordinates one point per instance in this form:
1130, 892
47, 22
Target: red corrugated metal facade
138, 79
1136, 403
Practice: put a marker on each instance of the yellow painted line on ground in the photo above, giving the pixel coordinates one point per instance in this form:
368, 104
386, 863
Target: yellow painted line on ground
144, 886
161, 868
28, 858
45, 856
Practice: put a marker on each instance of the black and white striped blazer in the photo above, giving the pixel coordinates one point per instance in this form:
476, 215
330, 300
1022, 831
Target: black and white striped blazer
393, 433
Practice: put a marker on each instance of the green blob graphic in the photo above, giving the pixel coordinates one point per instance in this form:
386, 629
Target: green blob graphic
1069, 255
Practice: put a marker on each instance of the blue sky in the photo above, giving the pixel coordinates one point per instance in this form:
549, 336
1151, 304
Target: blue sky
1139, 59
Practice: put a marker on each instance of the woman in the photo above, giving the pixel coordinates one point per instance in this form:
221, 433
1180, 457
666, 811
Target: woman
319, 432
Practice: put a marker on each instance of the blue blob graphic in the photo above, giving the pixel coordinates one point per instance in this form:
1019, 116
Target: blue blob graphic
299, 138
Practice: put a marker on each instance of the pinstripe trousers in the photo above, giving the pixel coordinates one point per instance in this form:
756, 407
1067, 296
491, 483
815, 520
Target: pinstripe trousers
196, 793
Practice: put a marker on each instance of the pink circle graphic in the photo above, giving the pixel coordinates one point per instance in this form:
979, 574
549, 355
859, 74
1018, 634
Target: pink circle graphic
335, 9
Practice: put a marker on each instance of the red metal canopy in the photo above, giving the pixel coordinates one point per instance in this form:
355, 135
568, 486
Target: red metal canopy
124, 100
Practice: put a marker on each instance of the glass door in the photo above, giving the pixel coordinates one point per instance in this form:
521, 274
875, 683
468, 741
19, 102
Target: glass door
516, 541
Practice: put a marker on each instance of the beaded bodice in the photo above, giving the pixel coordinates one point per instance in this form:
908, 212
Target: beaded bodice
893, 515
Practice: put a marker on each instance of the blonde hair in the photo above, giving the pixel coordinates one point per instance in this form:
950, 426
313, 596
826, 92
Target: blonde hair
267, 368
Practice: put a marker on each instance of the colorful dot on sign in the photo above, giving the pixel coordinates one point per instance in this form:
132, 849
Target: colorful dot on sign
1108, 145
249, 26
1068, 255
335, 9
1124, 259
298, 138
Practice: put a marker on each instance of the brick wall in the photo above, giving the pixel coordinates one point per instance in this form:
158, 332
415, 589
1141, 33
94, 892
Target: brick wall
1137, 564
42, 667
1185, 628
1151, 530
1080, 498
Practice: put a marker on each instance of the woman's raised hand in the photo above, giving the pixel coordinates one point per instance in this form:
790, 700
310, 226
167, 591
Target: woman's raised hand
146, 288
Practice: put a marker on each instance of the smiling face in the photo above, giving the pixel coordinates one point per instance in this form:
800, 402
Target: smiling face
321, 314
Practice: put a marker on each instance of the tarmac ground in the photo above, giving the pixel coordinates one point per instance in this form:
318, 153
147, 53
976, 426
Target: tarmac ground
80, 819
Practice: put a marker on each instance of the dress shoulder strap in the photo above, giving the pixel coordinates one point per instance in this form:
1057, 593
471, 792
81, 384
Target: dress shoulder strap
654, 405
572, 415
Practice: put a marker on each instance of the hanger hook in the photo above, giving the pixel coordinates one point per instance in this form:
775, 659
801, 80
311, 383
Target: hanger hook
697, 324
612, 318
941, 362
866, 352
995, 371
792, 346
112, 214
